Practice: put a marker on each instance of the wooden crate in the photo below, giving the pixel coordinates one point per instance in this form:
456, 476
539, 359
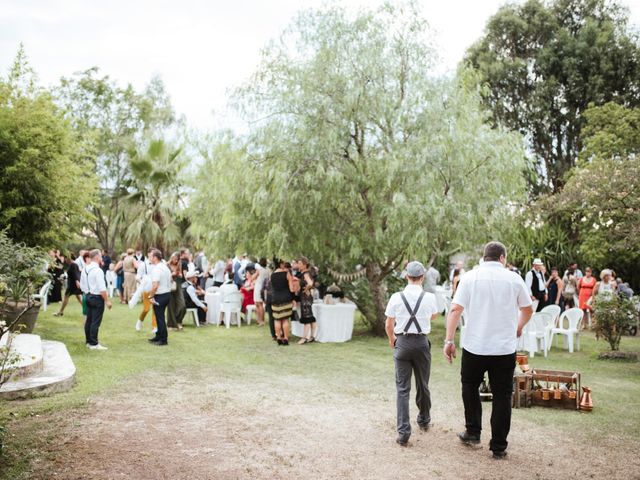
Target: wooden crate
549, 379
521, 390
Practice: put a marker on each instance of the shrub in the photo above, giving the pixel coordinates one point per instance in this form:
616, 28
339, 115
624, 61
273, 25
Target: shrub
613, 315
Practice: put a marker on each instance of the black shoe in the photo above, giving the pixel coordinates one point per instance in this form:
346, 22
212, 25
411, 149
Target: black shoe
285, 342
500, 455
468, 439
153, 340
160, 344
425, 427
279, 341
403, 442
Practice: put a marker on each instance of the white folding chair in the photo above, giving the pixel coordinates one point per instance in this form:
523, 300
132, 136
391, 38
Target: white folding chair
554, 311
212, 289
568, 327
231, 304
194, 314
111, 278
251, 310
539, 332
43, 295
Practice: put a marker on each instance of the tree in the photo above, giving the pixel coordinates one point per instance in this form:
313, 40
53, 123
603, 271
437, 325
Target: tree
544, 63
154, 197
112, 121
358, 155
44, 181
602, 193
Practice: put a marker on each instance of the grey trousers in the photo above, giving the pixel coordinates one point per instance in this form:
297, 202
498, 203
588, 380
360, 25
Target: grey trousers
412, 353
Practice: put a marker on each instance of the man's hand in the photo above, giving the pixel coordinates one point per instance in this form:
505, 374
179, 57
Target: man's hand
546, 297
392, 341
449, 352
519, 332
205, 309
109, 305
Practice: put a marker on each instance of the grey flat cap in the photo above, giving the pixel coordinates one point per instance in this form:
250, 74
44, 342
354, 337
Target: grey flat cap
415, 269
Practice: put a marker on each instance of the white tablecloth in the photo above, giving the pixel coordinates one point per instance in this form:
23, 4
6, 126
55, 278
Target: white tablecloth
213, 304
335, 322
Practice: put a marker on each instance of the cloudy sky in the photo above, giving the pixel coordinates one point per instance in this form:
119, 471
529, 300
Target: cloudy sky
200, 48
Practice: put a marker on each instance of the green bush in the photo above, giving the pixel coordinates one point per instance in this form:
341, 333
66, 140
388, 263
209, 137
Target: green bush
613, 316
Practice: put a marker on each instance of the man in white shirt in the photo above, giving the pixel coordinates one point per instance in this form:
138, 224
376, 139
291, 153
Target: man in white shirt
80, 260
537, 284
409, 314
217, 273
160, 295
496, 306
97, 298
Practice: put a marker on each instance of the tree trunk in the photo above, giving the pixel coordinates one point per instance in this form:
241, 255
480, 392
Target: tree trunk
376, 315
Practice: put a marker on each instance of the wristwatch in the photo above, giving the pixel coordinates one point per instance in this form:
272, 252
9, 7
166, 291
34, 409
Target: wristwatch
449, 342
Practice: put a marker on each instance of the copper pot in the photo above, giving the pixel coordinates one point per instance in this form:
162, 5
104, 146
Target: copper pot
573, 394
546, 394
557, 394
586, 403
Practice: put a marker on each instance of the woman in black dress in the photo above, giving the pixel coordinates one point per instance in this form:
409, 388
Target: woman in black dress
306, 302
73, 284
283, 287
56, 269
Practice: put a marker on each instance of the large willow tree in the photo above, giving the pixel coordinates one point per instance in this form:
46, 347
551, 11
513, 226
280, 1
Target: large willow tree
357, 154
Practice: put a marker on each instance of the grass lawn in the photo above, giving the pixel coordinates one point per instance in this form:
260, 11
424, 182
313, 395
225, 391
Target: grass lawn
361, 369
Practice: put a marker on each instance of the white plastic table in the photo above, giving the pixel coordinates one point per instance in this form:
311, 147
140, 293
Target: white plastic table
335, 322
213, 304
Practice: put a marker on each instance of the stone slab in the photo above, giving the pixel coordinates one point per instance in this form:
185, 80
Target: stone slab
29, 349
57, 375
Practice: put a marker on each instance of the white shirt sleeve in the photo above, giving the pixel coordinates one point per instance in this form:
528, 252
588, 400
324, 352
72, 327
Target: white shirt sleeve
524, 297
191, 290
528, 280
462, 296
391, 310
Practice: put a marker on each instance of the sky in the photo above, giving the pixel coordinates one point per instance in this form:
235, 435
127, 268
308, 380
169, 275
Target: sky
200, 48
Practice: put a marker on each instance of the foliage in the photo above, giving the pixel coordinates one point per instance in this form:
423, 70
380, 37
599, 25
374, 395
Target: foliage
113, 121
527, 238
44, 182
602, 194
544, 63
613, 316
22, 272
154, 196
357, 154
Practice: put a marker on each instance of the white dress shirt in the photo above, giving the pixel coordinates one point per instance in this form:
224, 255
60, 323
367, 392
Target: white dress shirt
80, 262
161, 274
491, 297
84, 281
397, 309
528, 280
217, 272
95, 279
191, 291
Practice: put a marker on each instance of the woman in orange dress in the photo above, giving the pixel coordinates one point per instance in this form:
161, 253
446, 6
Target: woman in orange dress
585, 292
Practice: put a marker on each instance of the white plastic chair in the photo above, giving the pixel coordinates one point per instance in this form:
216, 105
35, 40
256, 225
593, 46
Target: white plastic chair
111, 278
194, 314
539, 331
43, 295
212, 289
251, 310
571, 318
463, 326
554, 311
231, 304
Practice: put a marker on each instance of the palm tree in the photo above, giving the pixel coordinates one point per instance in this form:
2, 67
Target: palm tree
154, 197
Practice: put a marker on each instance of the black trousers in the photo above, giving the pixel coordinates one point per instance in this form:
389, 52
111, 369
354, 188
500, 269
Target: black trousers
272, 326
95, 310
541, 302
500, 368
162, 301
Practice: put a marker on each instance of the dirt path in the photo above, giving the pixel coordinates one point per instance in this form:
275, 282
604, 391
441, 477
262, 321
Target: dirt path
196, 427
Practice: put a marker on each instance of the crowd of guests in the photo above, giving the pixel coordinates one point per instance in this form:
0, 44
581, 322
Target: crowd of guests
282, 291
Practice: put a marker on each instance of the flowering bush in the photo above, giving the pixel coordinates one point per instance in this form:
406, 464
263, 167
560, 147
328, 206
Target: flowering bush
614, 315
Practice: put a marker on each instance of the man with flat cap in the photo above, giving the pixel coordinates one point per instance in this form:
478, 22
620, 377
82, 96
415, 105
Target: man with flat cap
409, 314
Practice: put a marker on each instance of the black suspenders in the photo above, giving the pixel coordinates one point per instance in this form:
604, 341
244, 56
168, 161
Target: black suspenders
412, 313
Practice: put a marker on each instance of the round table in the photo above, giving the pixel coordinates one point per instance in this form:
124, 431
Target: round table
335, 322
213, 304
